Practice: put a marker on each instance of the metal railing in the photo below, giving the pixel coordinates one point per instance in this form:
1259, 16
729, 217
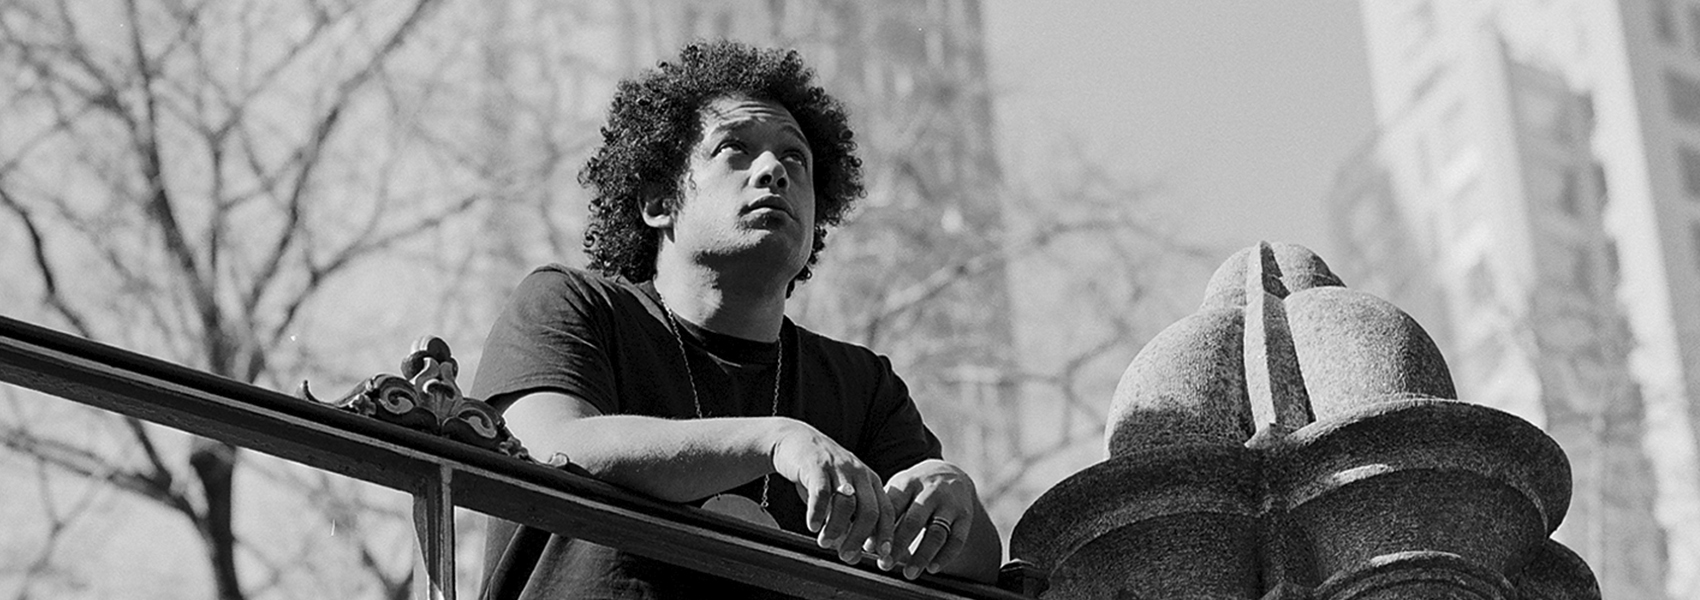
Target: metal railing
442, 474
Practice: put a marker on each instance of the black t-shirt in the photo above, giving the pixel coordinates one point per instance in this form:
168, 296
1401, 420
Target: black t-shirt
607, 341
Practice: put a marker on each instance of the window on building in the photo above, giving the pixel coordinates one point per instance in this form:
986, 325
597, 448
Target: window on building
1557, 185
1684, 95
1570, 192
1585, 106
1688, 162
1694, 232
1664, 20
1581, 270
1614, 264
1598, 170
1694, 28
1543, 111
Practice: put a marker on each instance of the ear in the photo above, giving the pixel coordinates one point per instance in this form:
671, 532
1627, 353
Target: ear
655, 212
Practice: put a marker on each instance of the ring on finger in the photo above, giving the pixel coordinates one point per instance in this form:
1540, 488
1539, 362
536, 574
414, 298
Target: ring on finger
941, 523
845, 489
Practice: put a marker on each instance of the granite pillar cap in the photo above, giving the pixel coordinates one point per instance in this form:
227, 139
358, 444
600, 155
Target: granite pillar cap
1277, 343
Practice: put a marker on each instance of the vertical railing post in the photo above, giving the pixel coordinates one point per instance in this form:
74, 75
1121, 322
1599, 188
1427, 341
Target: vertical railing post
434, 522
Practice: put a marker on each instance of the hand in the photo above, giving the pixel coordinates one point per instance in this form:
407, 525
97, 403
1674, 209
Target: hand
936, 504
847, 509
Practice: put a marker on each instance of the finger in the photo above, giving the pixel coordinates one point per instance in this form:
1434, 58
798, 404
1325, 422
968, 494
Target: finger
816, 491
910, 525
840, 513
953, 545
880, 542
866, 520
938, 529
900, 499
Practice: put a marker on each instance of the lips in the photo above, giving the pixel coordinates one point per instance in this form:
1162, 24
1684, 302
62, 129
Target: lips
770, 201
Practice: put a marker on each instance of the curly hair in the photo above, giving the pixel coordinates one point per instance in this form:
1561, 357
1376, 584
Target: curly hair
655, 120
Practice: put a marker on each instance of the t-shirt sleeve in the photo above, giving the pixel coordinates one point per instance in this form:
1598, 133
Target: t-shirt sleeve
899, 437
551, 336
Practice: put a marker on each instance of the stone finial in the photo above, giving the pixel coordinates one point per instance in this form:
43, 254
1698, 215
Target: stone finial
1295, 438
1187, 387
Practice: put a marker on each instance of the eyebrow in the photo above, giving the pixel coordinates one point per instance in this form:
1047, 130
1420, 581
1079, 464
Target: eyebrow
791, 128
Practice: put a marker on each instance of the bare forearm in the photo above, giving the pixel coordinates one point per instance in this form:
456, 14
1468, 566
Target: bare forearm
684, 460
674, 460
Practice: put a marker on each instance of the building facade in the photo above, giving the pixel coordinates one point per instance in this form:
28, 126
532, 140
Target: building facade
1537, 166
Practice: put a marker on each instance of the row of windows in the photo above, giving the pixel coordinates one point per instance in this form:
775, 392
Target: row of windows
1666, 23
1570, 194
1568, 270
1688, 165
1682, 91
1694, 232
1683, 94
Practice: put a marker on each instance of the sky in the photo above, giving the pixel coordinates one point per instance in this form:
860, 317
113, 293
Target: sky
1237, 113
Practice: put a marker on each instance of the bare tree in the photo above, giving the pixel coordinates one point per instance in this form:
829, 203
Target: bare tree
190, 176
1089, 273
206, 181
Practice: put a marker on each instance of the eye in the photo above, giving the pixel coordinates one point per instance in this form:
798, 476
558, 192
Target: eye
797, 156
729, 145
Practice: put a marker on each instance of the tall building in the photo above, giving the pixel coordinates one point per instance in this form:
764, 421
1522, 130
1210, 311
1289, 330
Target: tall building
1537, 170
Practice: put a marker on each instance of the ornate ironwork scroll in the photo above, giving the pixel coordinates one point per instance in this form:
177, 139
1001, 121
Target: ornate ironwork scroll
426, 398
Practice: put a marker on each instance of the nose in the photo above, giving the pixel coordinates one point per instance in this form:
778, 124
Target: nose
770, 172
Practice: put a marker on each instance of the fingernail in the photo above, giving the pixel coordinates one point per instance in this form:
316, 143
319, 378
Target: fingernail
911, 572
849, 556
933, 568
886, 563
885, 549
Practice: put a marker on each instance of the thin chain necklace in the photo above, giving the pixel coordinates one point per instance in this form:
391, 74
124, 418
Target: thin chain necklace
690, 375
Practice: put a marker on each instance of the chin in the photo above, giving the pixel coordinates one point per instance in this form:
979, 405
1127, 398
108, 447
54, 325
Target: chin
772, 248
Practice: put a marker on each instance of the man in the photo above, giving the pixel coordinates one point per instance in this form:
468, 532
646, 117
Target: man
672, 369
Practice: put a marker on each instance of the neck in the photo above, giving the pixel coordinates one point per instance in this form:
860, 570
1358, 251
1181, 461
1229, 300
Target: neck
720, 302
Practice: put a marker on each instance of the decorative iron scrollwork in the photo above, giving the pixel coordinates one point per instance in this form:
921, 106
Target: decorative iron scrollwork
425, 398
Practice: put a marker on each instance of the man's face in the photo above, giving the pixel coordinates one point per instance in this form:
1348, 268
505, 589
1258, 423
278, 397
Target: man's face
749, 189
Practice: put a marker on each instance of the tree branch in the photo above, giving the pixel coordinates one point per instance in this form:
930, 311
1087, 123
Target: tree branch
948, 275
84, 463
44, 266
362, 246
57, 524
307, 157
160, 208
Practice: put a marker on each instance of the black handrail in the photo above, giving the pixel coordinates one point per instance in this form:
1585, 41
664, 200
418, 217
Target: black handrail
364, 448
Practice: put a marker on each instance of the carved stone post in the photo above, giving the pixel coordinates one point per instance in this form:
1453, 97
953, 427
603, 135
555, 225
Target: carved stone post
1297, 439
